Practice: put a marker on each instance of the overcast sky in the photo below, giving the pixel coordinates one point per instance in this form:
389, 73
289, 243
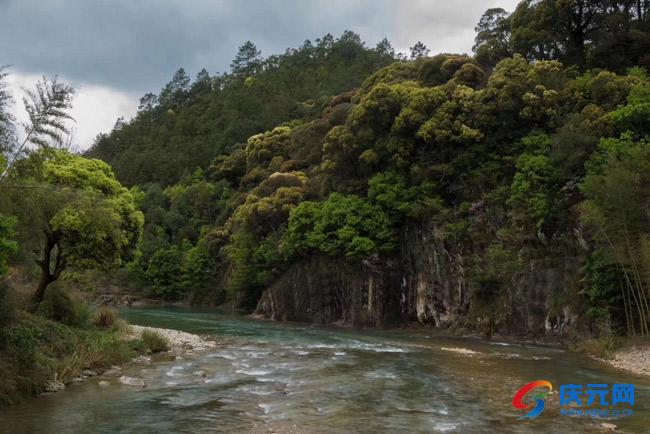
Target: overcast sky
114, 51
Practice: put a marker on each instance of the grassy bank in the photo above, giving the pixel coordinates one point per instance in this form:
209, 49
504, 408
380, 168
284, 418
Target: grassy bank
59, 340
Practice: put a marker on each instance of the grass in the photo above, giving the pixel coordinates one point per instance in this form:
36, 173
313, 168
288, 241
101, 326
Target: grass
33, 349
154, 341
104, 318
603, 348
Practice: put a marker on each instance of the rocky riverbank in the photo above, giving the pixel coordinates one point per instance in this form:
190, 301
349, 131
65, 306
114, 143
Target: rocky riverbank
635, 359
180, 343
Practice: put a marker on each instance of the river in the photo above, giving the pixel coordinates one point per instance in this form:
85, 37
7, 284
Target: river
294, 378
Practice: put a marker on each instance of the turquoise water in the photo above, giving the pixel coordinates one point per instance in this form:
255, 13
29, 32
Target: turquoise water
270, 377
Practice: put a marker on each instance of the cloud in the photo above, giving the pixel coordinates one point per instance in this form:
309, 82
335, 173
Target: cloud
443, 26
95, 108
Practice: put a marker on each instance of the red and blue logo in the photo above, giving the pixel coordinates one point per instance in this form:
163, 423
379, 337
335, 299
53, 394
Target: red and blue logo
537, 406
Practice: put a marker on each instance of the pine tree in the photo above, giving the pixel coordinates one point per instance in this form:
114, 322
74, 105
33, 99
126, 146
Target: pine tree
418, 51
247, 61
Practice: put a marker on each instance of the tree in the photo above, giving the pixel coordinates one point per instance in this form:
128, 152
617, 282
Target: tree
419, 50
7, 129
148, 102
47, 107
247, 61
384, 48
587, 33
202, 83
492, 41
7, 245
342, 225
73, 212
618, 196
7, 224
175, 93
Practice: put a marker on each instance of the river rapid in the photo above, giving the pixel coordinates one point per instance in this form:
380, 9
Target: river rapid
265, 377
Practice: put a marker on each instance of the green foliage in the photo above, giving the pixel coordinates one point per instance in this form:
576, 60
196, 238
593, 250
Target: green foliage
635, 115
164, 271
7, 305
187, 125
7, 245
617, 189
532, 198
584, 33
342, 225
64, 308
492, 42
78, 203
33, 349
391, 193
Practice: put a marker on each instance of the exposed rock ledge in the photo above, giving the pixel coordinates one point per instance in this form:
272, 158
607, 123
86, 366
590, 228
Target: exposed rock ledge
179, 342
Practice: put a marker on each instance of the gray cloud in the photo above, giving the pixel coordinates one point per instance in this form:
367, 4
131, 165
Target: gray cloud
135, 45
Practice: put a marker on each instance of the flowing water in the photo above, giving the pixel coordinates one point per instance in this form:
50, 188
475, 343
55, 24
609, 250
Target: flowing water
270, 377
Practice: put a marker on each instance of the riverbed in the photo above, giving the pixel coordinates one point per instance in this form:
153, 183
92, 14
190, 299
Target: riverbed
268, 377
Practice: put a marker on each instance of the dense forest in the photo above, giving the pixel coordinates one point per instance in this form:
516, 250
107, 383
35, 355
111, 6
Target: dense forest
506, 191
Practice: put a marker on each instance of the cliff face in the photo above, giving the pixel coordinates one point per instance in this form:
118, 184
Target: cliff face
426, 284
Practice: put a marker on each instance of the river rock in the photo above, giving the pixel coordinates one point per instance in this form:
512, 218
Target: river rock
113, 372
132, 381
459, 350
145, 360
608, 426
88, 373
104, 383
54, 386
200, 373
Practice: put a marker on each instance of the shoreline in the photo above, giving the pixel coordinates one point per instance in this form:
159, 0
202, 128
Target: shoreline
635, 360
180, 343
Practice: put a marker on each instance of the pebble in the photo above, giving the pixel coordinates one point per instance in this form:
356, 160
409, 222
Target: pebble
114, 371
459, 350
54, 386
633, 359
145, 360
132, 381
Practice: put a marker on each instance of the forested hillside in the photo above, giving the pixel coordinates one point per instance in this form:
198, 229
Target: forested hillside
503, 192
190, 122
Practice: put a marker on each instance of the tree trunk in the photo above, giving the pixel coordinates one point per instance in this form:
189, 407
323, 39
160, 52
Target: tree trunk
44, 281
47, 275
